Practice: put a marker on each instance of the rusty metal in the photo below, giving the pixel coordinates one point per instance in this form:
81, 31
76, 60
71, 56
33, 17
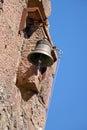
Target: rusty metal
42, 54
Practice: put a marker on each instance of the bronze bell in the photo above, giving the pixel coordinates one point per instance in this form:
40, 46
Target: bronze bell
42, 54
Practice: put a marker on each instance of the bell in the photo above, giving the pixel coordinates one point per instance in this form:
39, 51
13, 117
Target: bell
42, 54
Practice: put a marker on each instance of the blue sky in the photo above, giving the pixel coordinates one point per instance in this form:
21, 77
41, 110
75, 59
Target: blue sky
68, 29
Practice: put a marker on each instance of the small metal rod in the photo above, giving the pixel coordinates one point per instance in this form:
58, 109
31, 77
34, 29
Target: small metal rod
38, 69
44, 27
43, 32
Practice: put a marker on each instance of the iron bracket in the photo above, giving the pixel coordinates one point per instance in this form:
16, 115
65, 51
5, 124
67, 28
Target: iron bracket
44, 23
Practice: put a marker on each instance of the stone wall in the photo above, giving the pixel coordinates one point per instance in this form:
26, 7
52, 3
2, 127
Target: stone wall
24, 95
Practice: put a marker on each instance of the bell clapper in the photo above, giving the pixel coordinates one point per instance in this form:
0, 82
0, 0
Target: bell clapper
39, 74
38, 69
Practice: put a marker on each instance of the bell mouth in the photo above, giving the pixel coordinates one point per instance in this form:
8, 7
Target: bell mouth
42, 54
42, 59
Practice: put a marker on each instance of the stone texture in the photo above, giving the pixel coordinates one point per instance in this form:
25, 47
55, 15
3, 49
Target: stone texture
24, 94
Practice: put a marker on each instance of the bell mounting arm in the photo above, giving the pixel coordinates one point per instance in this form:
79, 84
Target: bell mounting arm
41, 20
25, 14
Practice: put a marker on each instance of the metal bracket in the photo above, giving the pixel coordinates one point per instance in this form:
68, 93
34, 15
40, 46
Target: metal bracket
25, 14
44, 24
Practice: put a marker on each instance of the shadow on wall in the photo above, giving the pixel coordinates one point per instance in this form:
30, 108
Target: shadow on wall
30, 28
29, 82
26, 82
26, 92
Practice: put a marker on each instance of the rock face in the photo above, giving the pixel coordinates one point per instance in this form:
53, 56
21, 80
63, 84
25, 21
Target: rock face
24, 94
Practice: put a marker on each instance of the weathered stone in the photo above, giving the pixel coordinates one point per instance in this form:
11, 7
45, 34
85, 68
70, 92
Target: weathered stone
24, 94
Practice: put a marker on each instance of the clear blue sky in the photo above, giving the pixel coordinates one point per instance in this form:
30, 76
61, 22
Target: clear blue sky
68, 29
